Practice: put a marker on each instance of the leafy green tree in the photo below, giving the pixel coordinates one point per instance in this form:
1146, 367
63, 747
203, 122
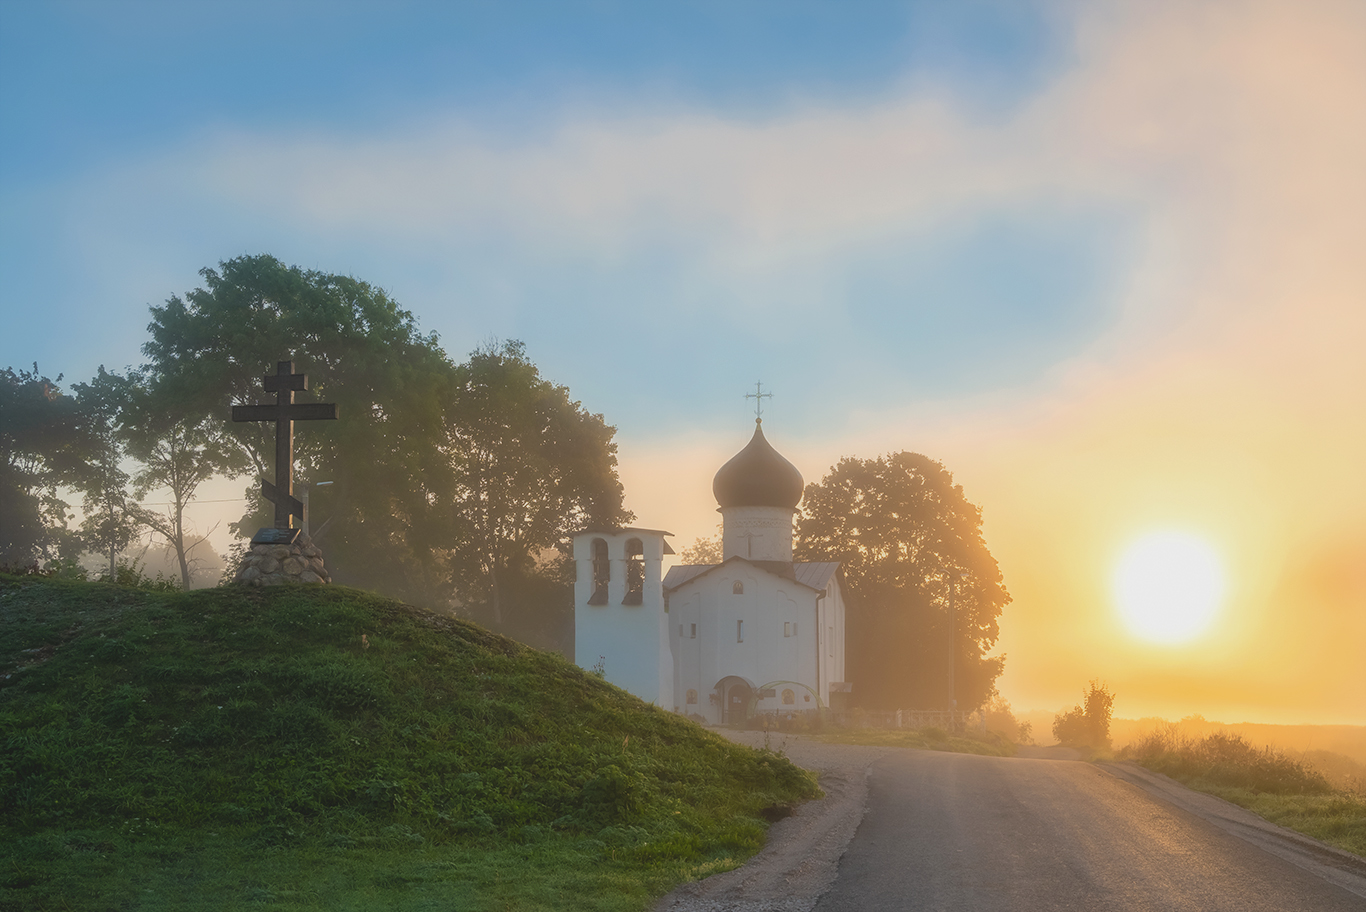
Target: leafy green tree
530, 466
908, 541
1088, 723
210, 349
703, 550
42, 447
177, 453
113, 519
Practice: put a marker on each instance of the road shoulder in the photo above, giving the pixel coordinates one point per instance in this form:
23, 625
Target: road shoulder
800, 859
1332, 864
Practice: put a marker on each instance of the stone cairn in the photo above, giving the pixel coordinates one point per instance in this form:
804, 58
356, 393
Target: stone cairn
271, 565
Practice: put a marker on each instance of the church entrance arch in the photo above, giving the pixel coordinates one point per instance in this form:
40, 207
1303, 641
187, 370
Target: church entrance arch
737, 695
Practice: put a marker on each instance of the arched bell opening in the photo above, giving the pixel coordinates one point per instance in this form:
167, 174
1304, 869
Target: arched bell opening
602, 572
635, 572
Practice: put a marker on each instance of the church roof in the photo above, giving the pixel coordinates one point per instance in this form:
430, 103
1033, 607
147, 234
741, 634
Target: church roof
815, 574
812, 574
758, 476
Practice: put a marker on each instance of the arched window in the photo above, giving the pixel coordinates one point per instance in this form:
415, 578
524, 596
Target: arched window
738, 588
692, 697
635, 572
602, 573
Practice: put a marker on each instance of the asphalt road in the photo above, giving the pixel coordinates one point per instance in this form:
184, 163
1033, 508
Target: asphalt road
959, 832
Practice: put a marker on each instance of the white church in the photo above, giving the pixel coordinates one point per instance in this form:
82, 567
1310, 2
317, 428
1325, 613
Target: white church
756, 633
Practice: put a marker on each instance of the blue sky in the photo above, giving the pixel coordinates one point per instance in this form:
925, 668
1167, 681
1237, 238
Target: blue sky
1103, 260
98, 95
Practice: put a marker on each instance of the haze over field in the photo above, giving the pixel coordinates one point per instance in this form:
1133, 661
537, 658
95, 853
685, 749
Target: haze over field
1103, 261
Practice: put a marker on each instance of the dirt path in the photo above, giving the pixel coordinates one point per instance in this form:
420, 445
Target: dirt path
800, 860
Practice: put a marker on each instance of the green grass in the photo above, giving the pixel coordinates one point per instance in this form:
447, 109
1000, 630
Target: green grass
1266, 781
989, 744
238, 748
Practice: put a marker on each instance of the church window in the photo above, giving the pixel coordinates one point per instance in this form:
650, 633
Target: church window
738, 588
692, 697
635, 572
602, 572
739, 631
788, 696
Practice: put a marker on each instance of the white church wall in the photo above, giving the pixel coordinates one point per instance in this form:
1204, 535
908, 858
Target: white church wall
762, 635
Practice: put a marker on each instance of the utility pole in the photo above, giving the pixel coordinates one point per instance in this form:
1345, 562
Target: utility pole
953, 643
307, 487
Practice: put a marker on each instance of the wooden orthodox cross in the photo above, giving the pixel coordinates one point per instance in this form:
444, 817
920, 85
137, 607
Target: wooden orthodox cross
284, 413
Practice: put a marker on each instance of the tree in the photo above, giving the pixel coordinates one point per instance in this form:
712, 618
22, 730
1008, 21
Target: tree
908, 541
210, 349
1088, 723
178, 453
703, 551
112, 517
530, 466
42, 447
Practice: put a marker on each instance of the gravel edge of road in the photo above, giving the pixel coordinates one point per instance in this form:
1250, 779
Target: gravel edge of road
800, 858
1334, 865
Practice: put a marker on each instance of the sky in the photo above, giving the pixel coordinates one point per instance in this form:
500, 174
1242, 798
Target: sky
1103, 260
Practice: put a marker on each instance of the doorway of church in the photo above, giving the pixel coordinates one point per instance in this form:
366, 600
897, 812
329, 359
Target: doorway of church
737, 700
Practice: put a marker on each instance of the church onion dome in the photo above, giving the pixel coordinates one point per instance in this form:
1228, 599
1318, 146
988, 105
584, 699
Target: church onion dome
758, 476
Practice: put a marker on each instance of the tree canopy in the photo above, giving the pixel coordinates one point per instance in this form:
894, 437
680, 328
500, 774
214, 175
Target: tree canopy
210, 350
908, 540
176, 453
43, 446
452, 484
112, 519
530, 466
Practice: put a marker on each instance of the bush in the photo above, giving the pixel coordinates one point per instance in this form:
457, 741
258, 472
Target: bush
130, 574
1088, 725
1226, 760
999, 718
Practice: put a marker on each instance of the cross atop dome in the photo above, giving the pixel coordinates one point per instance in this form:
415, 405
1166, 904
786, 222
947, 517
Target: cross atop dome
758, 396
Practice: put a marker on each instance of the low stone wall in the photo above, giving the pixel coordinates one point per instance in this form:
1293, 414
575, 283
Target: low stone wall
271, 565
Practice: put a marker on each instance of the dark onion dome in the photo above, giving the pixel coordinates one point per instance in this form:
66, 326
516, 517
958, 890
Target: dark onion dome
758, 476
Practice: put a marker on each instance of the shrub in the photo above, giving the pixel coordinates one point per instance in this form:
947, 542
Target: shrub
1226, 760
130, 574
1087, 725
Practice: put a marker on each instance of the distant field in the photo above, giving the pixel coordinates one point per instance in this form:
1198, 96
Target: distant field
1337, 751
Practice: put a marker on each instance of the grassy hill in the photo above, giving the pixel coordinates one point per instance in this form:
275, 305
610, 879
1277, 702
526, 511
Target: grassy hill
323, 748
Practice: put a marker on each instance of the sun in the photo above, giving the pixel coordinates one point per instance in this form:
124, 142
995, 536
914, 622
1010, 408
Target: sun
1168, 586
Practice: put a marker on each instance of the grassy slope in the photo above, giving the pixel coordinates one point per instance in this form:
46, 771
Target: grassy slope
244, 748
1266, 781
